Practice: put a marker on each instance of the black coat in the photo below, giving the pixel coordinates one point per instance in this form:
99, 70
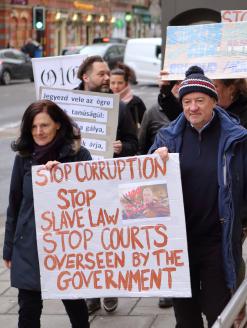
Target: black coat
20, 245
137, 109
239, 109
126, 132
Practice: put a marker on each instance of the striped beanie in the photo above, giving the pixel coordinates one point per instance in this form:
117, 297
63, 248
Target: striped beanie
196, 81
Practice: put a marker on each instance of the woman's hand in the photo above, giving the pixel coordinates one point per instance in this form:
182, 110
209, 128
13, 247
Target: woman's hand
163, 153
7, 264
50, 164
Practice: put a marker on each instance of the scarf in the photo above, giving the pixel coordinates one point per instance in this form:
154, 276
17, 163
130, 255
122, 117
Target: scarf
49, 152
126, 94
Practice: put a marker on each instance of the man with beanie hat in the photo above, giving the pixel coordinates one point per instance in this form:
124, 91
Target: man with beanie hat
213, 162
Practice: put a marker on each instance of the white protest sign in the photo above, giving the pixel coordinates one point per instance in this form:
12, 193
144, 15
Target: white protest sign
233, 15
220, 49
56, 72
111, 228
96, 114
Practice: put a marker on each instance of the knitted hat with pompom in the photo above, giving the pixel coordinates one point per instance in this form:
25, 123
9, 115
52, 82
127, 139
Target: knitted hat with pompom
196, 81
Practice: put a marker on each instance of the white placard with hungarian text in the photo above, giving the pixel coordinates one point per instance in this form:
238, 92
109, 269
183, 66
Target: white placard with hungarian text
220, 49
95, 113
56, 71
111, 228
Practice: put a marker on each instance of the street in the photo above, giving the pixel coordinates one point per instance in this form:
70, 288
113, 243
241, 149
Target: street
14, 100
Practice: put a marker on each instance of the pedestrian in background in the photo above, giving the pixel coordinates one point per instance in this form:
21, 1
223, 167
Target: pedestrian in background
120, 83
30, 47
232, 95
47, 137
94, 74
160, 114
213, 162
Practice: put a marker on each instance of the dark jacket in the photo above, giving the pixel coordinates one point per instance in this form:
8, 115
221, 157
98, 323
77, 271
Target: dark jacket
232, 181
137, 109
153, 119
126, 129
169, 103
20, 245
239, 108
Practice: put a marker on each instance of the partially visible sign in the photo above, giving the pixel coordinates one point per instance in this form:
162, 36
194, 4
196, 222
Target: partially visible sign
56, 72
220, 49
233, 15
96, 114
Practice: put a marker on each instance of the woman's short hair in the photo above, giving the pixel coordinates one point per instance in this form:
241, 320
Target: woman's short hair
68, 130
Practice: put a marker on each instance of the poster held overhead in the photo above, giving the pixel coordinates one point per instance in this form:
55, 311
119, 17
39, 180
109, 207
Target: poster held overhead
219, 49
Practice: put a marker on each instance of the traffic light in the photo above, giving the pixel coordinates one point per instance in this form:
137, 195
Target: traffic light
39, 18
128, 17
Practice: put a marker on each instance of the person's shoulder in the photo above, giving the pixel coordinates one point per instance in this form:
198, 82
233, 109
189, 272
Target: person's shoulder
84, 154
136, 99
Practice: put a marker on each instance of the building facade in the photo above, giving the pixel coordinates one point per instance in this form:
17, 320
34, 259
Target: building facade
69, 22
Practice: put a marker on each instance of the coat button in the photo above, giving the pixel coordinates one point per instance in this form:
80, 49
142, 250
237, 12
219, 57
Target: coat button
21, 237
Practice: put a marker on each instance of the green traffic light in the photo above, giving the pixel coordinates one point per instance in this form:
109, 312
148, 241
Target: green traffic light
128, 17
39, 25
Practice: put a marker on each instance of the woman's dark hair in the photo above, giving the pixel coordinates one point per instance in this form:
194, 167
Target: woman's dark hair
240, 86
68, 130
125, 71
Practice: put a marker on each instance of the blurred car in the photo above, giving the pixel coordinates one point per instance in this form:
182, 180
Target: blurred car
110, 52
110, 40
143, 55
72, 50
14, 65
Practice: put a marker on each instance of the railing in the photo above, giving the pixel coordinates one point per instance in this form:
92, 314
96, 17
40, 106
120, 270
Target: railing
231, 311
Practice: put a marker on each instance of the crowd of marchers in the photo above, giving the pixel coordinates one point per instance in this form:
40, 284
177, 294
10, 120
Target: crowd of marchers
205, 122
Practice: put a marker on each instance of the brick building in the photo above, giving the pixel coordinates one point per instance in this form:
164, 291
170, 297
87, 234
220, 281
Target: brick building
70, 22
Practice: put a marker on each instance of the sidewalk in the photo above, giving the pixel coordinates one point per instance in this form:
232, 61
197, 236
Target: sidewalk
131, 312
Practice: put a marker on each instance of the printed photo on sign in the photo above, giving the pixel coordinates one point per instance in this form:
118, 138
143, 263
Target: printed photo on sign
144, 201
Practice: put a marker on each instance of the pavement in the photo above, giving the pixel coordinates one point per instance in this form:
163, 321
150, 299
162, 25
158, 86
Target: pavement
131, 312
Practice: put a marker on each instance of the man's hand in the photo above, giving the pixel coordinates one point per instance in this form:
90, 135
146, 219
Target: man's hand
117, 147
163, 153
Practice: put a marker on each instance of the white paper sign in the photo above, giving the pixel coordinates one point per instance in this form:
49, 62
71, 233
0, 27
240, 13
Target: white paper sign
111, 228
56, 72
220, 49
95, 113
